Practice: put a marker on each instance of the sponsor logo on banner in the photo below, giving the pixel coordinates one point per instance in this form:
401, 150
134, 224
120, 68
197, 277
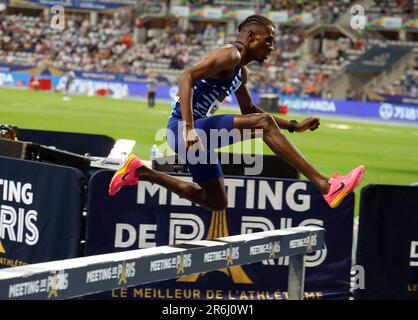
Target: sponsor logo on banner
391, 112
51, 285
125, 271
6, 79
180, 11
307, 242
180, 262
386, 111
121, 272
89, 87
272, 248
229, 255
279, 16
212, 13
17, 218
309, 105
392, 22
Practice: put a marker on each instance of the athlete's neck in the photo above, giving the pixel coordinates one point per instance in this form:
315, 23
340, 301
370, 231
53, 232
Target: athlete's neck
243, 51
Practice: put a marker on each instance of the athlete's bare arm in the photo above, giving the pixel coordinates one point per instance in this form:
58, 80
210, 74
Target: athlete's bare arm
247, 106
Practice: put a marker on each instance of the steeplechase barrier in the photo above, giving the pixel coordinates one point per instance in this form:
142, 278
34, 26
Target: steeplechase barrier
72, 278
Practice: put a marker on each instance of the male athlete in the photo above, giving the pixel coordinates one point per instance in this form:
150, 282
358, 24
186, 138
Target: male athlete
201, 87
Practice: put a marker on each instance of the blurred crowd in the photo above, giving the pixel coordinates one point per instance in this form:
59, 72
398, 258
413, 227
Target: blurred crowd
407, 85
108, 46
80, 46
326, 10
171, 45
288, 72
391, 7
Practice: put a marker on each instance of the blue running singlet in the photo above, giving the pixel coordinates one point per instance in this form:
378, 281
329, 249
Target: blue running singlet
208, 95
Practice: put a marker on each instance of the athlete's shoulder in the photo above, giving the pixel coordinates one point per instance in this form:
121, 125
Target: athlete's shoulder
231, 53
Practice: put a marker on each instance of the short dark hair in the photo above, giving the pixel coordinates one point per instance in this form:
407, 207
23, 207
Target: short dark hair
255, 19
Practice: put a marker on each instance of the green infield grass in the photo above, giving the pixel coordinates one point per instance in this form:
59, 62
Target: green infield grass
389, 152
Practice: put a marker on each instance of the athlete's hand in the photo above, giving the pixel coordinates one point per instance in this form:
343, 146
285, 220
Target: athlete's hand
191, 138
311, 123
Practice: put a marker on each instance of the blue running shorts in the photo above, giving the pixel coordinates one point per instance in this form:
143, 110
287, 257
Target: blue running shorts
214, 133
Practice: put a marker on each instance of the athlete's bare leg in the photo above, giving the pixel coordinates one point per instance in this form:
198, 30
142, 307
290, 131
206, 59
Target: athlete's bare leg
210, 194
281, 146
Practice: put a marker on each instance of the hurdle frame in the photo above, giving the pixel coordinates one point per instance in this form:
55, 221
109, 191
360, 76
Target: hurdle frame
72, 278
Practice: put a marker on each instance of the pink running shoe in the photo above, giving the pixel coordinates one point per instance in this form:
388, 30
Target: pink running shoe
342, 186
125, 176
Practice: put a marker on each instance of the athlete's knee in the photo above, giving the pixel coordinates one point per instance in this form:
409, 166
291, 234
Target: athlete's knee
219, 203
267, 122
215, 197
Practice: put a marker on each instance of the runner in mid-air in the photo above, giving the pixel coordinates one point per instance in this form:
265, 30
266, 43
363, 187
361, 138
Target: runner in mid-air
201, 90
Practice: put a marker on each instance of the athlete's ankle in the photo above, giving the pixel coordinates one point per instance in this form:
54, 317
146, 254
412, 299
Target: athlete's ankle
143, 173
324, 186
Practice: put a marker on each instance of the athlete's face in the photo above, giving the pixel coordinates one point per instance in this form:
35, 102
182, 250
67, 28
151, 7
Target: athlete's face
261, 42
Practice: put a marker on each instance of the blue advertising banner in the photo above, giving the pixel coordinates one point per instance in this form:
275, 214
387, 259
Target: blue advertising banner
149, 215
93, 75
85, 4
122, 86
398, 99
89, 86
15, 79
122, 77
370, 110
12, 67
387, 246
40, 212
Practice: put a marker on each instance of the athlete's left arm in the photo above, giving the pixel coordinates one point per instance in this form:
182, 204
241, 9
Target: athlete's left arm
247, 106
246, 102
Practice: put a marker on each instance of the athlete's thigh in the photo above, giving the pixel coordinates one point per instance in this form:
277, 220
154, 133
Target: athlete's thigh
217, 131
250, 125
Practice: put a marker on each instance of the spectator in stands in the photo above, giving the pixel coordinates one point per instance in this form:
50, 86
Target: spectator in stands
33, 82
151, 88
351, 94
69, 78
79, 46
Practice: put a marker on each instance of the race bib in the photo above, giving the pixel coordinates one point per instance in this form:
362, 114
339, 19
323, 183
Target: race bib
213, 108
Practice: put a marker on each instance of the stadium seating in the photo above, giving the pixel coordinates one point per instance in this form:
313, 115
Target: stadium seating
30, 41
397, 7
166, 49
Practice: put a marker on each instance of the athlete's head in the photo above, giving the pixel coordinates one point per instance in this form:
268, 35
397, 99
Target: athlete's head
257, 33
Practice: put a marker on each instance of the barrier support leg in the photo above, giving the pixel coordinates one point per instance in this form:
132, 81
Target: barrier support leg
296, 278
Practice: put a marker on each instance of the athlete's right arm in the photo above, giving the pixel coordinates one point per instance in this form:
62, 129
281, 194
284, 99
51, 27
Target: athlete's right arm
225, 58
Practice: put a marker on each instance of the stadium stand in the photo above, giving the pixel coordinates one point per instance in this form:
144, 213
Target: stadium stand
394, 7
27, 40
308, 56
